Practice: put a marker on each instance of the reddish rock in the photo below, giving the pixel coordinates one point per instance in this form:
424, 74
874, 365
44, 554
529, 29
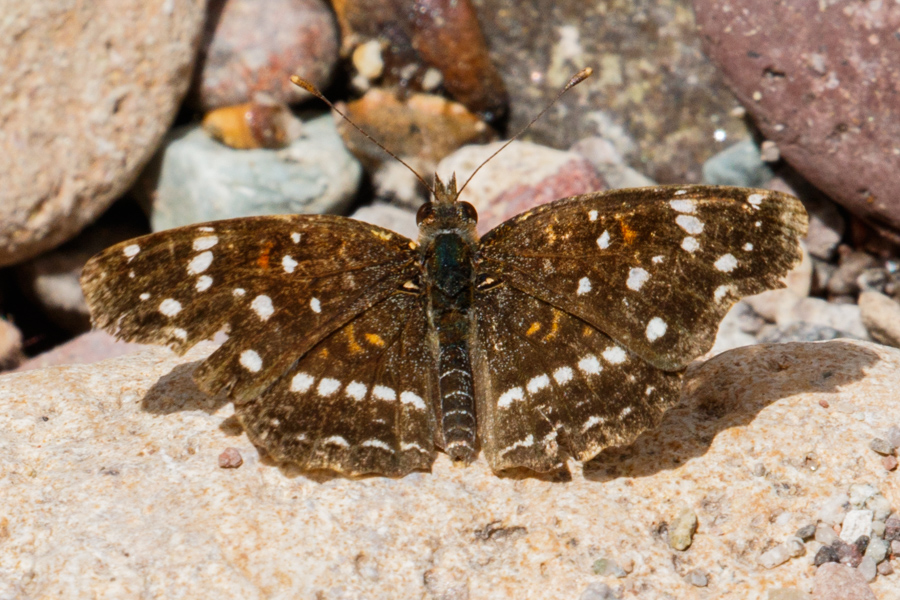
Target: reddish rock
254, 46
90, 347
835, 581
89, 91
253, 125
230, 458
821, 80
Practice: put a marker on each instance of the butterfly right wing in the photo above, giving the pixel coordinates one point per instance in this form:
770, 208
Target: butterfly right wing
361, 401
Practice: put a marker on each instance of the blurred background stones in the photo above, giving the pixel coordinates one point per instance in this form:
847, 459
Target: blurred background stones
434, 81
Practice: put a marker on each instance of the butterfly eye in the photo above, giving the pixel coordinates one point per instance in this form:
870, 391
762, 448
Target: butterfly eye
425, 212
469, 211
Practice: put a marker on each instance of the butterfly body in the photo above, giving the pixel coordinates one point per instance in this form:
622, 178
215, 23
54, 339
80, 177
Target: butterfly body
560, 332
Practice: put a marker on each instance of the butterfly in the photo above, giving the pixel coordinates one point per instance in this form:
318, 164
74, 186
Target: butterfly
560, 332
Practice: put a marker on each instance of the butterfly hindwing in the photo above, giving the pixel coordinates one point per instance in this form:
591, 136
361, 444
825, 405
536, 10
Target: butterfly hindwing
654, 268
277, 284
361, 401
547, 381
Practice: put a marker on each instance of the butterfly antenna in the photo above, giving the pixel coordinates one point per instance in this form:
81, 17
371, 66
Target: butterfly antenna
576, 79
309, 87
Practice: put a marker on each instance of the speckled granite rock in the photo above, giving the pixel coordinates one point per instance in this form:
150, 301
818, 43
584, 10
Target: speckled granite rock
820, 79
89, 90
113, 470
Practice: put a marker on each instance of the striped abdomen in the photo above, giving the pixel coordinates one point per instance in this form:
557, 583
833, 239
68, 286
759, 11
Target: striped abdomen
449, 273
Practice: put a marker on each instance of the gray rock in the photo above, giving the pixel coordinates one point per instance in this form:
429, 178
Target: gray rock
852, 264
880, 507
682, 529
873, 280
868, 569
200, 180
825, 534
740, 165
395, 218
698, 578
806, 532
609, 163
799, 332
775, 556
880, 315
89, 91
737, 328
777, 305
608, 567
892, 435
876, 550
882, 447
842, 317
597, 590
795, 546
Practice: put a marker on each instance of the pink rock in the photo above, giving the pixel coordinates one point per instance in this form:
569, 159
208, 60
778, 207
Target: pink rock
87, 348
835, 581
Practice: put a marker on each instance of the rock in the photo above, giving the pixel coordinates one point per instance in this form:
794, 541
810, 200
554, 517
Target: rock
819, 81
876, 550
834, 581
523, 176
89, 93
772, 305
873, 280
597, 591
881, 446
130, 452
198, 179
608, 567
391, 217
826, 554
842, 317
881, 317
740, 165
892, 435
787, 594
655, 96
230, 458
773, 557
807, 532
609, 163
682, 529
857, 523
698, 578
852, 264
834, 509
394, 183
733, 330
251, 47
423, 126
825, 534
890, 462
868, 569
826, 224
860, 494
892, 529
257, 124
437, 41
799, 332
885, 568
86, 348
880, 507
11, 354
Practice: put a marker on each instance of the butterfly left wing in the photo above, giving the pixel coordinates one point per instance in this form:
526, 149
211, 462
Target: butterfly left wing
547, 381
655, 269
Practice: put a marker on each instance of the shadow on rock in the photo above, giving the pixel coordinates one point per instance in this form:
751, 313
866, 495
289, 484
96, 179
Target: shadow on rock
728, 391
176, 391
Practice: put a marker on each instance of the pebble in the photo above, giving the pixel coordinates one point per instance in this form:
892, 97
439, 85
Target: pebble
867, 568
698, 578
608, 567
880, 507
826, 223
842, 317
825, 534
682, 529
597, 590
795, 546
850, 266
885, 568
860, 494
881, 316
882, 447
835, 581
230, 458
876, 550
602, 154
826, 554
892, 529
740, 165
833, 509
895, 548
773, 557
849, 554
892, 435
878, 529
806, 532
11, 354
201, 180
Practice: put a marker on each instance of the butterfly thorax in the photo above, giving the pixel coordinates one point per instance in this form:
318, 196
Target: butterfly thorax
448, 243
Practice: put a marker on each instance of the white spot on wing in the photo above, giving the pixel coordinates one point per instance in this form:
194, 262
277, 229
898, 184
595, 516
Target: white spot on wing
748, 247
238, 292
637, 277
131, 251
526, 443
384, 393
251, 361
592, 215
589, 365
328, 386
205, 229
538, 383
680, 193
656, 328
295, 237
692, 225
726, 263
200, 263
414, 399
595, 420
315, 305
145, 296
337, 441
758, 224
356, 390
682, 206
203, 283
170, 307
755, 200
658, 259
690, 244
180, 333
509, 396
302, 382
614, 355
288, 263
377, 444
603, 240
721, 291
584, 286
625, 412
562, 375
262, 306
205, 242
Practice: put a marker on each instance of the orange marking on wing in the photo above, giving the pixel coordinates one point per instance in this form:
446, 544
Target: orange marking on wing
535, 327
375, 339
628, 234
352, 344
554, 327
263, 260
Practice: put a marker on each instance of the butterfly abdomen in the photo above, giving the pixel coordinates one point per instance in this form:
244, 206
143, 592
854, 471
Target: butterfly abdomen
449, 273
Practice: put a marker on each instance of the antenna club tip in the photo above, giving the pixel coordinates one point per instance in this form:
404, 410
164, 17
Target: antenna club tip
300, 82
579, 77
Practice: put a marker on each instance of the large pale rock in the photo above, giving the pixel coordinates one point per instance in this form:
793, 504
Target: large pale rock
88, 91
111, 488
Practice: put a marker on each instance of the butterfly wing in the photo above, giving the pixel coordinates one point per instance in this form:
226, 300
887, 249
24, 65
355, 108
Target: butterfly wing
278, 284
546, 380
653, 268
377, 368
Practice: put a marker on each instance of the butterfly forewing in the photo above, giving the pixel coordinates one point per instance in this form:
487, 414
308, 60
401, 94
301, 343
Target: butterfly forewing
277, 284
547, 381
654, 268
361, 401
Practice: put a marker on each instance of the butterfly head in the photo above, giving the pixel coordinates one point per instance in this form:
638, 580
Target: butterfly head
446, 213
